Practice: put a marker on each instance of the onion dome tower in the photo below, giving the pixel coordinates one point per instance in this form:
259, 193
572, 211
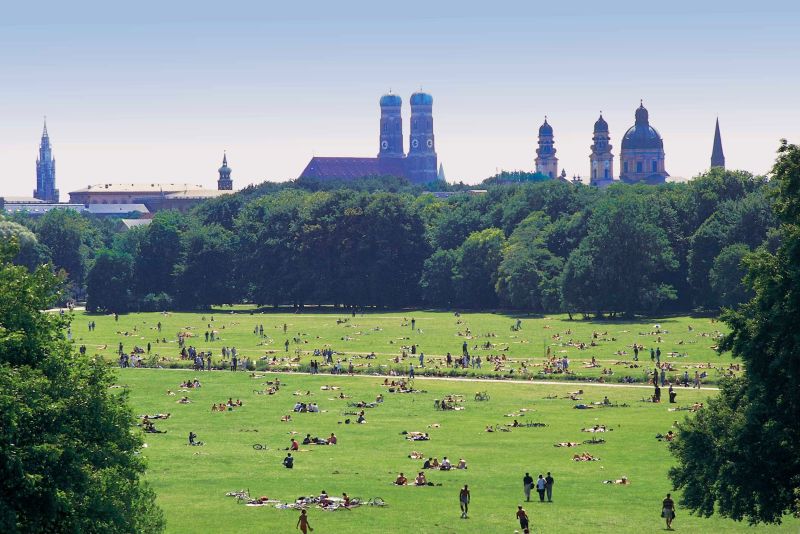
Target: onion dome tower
546, 160
601, 160
642, 154
225, 183
391, 134
421, 164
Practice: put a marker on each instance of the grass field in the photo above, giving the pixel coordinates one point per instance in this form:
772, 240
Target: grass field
685, 342
192, 481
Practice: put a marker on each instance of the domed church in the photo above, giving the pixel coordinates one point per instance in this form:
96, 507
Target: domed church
642, 153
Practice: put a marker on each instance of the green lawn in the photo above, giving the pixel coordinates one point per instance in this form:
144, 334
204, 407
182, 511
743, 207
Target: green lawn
685, 342
192, 481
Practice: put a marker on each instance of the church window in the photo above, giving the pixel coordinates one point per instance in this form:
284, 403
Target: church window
605, 174
625, 165
655, 166
638, 166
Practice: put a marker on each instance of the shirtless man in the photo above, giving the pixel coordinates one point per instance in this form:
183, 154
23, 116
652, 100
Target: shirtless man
463, 498
303, 524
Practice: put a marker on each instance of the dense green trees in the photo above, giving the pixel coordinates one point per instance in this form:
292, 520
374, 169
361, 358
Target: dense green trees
529, 244
68, 459
740, 455
110, 281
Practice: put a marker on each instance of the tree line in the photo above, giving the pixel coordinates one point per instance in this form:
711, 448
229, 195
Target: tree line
539, 246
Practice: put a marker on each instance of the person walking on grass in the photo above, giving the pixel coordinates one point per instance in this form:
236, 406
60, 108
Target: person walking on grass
668, 510
540, 487
522, 515
463, 499
527, 485
303, 524
549, 481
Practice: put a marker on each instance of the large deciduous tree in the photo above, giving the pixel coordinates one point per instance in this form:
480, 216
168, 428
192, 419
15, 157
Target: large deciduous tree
68, 458
740, 456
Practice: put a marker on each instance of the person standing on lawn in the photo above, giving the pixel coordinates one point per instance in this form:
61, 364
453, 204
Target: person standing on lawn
522, 515
540, 487
303, 524
463, 499
668, 510
548, 486
527, 485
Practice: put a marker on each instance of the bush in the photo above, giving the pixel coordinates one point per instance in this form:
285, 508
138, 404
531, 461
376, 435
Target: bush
153, 302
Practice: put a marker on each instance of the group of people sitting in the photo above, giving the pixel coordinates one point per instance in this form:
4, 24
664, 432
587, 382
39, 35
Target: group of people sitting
308, 440
445, 465
190, 384
149, 427
420, 480
229, 406
302, 407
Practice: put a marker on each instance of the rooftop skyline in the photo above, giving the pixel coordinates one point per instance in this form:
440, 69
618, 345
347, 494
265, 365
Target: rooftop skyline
157, 92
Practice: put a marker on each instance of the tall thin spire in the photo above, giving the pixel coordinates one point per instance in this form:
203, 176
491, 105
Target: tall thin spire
44, 131
717, 156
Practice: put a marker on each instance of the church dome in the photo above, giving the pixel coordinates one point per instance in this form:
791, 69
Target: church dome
545, 129
225, 169
391, 100
641, 135
601, 125
421, 99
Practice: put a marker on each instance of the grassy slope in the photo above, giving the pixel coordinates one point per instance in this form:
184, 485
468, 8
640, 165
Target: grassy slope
384, 334
191, 482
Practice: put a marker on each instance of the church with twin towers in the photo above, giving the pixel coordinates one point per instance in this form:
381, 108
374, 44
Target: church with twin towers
641, 157
418, 165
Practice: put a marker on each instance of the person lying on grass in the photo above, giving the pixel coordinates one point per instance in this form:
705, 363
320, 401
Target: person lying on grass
584, 457
417, 436
566, 444
621, 481
157, 416
597, 428
401, 480
184, 400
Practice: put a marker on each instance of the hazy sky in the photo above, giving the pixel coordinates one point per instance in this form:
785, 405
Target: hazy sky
154, 91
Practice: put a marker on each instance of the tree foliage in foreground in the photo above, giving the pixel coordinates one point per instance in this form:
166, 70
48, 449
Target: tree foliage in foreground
68, 458
740, 456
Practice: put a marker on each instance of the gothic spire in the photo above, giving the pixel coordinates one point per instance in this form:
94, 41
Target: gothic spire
44, 131
717, 156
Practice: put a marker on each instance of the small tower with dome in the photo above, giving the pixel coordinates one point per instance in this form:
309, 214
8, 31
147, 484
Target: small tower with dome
546, 160
225, 183
642, 153
601, 160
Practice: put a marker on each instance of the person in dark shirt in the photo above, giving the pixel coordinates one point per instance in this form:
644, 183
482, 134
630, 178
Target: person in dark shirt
522, 515
527, 485
548, 487
288, 462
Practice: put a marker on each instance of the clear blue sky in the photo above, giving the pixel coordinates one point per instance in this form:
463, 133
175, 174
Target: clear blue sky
154, 91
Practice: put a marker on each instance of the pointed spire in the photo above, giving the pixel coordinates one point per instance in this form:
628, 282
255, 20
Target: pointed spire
44, 131
717, 156
224, 158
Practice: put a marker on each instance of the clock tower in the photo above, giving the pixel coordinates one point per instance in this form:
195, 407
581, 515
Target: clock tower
421, 160
391, 134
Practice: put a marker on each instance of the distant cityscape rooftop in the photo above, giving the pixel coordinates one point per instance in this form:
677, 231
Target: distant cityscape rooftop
153, 187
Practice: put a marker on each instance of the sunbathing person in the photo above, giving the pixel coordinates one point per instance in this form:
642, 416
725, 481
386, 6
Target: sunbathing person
446, 465
184, 400
435, 463
415, 455
361, 419
401, 480
420, 480
427, 464
566, 444
462, 464
584, 457
286, 419
622, 481
333, 440
294, 445
489, 428
596, 428
417, 436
